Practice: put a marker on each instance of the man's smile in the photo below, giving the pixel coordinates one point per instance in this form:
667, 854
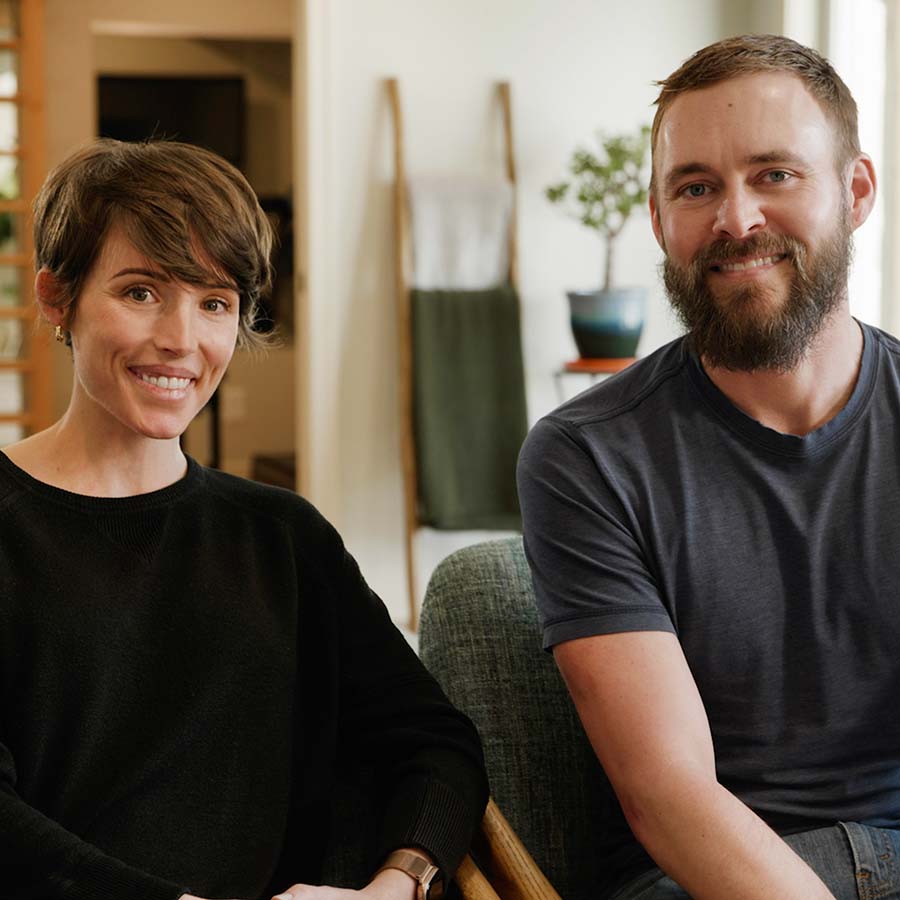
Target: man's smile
745, 265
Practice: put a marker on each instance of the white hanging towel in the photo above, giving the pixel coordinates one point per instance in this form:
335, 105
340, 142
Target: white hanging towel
460, 232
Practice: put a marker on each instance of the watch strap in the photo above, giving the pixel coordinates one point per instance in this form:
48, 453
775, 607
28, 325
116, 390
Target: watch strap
417, 866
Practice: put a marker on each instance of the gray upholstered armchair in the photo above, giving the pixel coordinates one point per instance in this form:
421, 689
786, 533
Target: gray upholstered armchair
481, 639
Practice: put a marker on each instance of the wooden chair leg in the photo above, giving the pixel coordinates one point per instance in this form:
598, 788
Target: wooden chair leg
514, 873
411, 578
472, 883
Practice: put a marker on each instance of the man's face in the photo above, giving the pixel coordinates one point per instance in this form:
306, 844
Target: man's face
754, 219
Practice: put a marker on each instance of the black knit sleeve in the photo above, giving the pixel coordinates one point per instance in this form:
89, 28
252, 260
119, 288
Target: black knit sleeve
40, 858
395, 717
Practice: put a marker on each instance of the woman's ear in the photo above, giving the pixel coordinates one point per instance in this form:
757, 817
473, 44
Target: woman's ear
49, 295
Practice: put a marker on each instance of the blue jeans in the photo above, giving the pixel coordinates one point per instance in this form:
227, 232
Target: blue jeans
856, 862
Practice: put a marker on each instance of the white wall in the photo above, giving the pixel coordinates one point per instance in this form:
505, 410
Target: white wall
575, 66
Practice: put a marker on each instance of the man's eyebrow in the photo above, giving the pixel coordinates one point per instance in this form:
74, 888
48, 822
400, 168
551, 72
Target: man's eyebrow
161, 276
756, 159
775, 156
679, 172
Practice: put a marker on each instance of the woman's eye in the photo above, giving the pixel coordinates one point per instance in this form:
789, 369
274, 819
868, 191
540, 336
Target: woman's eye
141, 294
214, 304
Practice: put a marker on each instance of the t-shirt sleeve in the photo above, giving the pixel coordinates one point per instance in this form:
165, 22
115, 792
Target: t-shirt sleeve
587, 562
40, 858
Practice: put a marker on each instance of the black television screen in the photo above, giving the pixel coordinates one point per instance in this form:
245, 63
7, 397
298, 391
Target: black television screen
204, 111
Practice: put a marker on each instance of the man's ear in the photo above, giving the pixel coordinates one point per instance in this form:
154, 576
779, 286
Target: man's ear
50, 298
655, 223
863, 188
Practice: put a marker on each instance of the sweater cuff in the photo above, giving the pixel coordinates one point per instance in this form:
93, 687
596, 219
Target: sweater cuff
430, 815
106, 877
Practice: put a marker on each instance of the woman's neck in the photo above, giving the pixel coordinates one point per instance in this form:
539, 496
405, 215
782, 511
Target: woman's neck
99, 463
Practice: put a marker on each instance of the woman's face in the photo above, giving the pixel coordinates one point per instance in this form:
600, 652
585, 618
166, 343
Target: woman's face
148, 351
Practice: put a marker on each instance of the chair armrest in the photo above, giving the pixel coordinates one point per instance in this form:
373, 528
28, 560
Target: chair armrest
472, 883
512, 872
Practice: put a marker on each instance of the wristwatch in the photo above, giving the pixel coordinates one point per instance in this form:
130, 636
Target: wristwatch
428, 875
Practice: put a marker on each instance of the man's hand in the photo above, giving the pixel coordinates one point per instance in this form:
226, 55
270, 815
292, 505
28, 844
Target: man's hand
388, 884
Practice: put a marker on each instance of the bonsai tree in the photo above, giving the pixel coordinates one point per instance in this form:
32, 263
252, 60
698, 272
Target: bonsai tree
606, 187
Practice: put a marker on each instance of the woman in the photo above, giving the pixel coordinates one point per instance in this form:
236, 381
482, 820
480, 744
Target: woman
187, 657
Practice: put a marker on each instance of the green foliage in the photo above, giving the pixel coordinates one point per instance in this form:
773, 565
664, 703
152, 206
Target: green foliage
606, 186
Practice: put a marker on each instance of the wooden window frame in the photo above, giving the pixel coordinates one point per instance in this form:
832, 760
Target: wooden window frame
36, 364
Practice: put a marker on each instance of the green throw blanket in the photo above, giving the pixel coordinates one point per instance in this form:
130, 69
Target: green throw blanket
469, 407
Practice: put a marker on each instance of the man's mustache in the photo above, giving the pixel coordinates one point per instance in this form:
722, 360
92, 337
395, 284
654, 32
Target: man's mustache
728, 250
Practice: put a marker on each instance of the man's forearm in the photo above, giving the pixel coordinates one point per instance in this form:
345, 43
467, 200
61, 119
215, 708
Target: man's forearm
715, 847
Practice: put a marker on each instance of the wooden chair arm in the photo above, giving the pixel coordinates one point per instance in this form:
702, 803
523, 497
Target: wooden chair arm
512, 874
472, 883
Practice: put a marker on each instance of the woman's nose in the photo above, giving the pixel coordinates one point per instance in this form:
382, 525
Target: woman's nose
175, 332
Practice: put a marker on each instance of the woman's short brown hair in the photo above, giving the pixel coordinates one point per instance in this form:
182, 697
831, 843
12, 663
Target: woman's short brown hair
753, 53
175, 202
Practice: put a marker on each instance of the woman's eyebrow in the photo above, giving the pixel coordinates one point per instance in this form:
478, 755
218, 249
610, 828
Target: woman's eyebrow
149, 273
162, 276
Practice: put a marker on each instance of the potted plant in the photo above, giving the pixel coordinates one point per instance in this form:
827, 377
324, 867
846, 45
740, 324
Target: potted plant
603, 190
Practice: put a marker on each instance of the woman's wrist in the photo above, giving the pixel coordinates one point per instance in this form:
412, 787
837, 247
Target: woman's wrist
392, 884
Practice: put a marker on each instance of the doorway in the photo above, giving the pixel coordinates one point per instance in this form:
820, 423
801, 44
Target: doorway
235, 97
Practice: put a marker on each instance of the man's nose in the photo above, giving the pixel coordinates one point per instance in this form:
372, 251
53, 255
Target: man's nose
739, 214
175, 328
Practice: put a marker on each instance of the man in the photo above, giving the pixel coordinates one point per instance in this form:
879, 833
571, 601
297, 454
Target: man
714, 533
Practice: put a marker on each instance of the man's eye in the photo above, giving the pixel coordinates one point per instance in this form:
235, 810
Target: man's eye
695, 190
778, 176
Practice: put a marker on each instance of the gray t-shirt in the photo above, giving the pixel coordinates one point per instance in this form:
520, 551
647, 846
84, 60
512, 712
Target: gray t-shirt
651, 503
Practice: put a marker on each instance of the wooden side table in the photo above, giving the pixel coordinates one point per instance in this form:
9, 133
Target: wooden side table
593, 368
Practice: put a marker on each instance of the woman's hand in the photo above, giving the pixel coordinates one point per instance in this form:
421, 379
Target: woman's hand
388, 884
190, 897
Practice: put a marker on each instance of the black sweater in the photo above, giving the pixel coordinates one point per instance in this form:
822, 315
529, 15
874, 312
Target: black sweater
181, 674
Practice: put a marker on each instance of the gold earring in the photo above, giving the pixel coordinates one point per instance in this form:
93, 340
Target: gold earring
59, 334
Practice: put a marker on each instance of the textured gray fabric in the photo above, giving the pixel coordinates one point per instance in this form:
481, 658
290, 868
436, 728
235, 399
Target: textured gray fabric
481, 639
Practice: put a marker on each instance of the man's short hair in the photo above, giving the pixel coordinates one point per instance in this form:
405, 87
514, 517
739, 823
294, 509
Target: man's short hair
753, 53
183, 207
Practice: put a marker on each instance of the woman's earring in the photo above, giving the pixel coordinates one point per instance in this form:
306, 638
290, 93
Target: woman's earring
59, 334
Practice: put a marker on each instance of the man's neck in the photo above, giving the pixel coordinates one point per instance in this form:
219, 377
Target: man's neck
809, 395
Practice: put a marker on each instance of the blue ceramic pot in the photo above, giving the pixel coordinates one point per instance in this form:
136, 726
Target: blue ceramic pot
607, 324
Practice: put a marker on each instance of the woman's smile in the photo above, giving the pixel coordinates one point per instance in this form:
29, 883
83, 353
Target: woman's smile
163, 382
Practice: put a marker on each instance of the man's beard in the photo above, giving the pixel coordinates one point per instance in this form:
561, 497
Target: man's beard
737, 328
